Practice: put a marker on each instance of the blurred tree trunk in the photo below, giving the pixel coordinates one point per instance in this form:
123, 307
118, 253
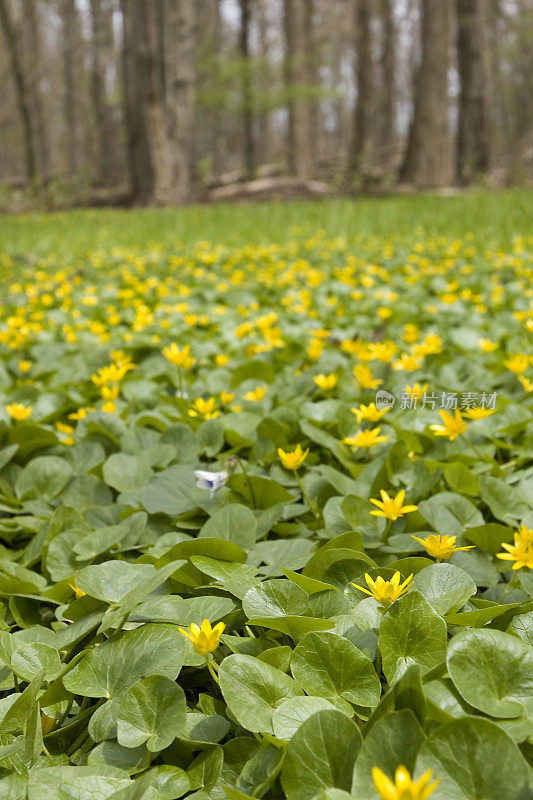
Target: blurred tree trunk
428, 157
101, 43
300, 150
247, 96
388, 70
170, 102
472, 134
34, 82
135, 79
70, 39
181, 91
21, 89
364, 82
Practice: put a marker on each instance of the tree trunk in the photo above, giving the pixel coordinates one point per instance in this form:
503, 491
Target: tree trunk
428, 158
135, 80
364, 82
388, 73
472, 133
106, 158
180, 66
34, 83
21, 89
69, 40
300, 152
247, 98
170, 106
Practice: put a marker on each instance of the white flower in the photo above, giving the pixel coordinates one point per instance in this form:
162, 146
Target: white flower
210, 480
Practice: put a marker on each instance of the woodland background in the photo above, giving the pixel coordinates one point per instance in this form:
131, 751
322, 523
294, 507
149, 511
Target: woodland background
168, 102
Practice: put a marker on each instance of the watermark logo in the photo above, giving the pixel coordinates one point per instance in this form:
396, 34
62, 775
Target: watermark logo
448, 401
384, 400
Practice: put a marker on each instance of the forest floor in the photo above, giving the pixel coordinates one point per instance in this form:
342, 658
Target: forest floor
201, 412
497, 217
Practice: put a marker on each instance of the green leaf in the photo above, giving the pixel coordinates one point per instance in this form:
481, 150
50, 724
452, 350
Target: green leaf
111, 668
253, 689
233, 522
293, 712
320, 756
112, 580
492, 671
58, 783
126, 473
460, 479
505, 502
327, 665
411, 632
450, 513
475, 760
43, 478
395, 739
445, 586
152, 711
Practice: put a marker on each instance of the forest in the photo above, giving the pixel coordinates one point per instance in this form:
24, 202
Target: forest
169, 102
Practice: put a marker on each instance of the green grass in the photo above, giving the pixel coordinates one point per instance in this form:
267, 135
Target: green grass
496, 217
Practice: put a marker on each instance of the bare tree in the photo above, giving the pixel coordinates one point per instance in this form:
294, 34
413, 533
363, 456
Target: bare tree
101, 44
364, 82
428, 157
247, 96
170, 99
21, 88
33, 52
135, 80
388, 75
472, 133
299, 128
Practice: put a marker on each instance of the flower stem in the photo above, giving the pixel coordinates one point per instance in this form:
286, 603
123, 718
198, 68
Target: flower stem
473, 447
248, 481
306, 496
212, 670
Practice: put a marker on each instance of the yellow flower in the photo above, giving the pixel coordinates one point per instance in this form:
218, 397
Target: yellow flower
180, 358
385, 592
326, 382
517, 363
526, 383
226, 398
364, 377
204, 408
204, 639
19, 411
24, 365
404, 787
109, 407
81, 413
256, 394
369, 412
416, 390
78, 592
521, 552
479, 413
294, 458
366, 438
111, 374
221, 360
487, 345
391, 508
440, 546
453, 426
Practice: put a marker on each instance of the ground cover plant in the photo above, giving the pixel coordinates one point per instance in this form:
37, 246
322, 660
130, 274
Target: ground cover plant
266, 512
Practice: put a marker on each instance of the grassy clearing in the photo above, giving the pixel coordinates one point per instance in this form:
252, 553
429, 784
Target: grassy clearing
496, 218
